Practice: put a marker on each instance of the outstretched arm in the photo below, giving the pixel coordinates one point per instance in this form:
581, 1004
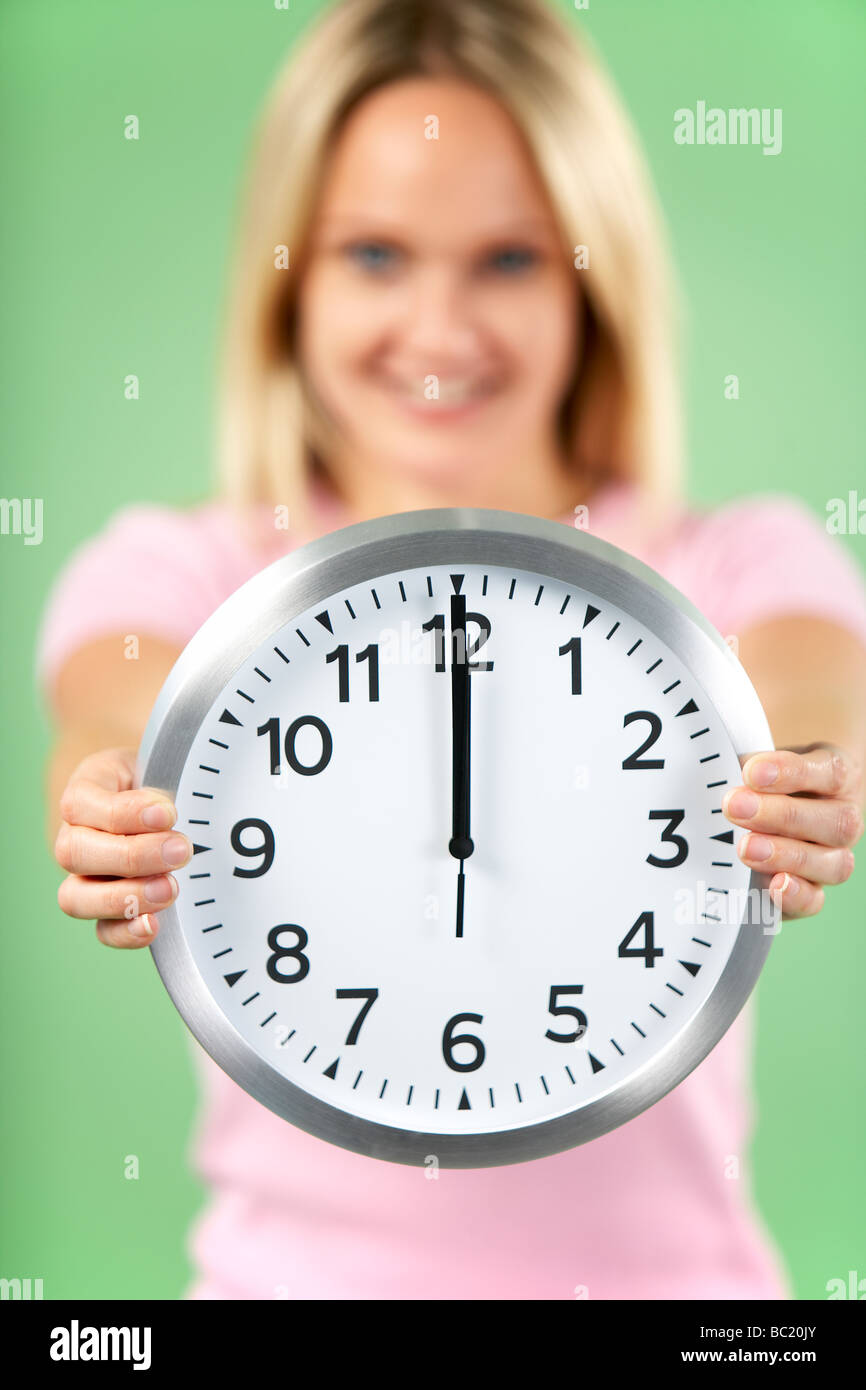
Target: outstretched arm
810, 675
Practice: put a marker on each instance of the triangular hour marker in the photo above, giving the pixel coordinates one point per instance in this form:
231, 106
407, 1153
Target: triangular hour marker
325, 619
200, 849
591, 613
331, 1071
690, 966
233, 979
457, 581
726, 836
228, 718
595, 1063
688, 708
464, 1102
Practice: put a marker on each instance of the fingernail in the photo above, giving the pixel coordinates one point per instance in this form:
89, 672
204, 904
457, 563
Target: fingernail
758, 847
742, 804
140, 927
160, 890
764, 774
175, 850
786, 884
157, 816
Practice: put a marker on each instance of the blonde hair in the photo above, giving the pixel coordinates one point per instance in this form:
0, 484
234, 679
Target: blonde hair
622, 417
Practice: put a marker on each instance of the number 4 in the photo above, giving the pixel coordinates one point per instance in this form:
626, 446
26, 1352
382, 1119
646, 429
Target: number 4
649, 951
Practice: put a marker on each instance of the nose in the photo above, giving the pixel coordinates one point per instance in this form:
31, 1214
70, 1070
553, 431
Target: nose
438, 319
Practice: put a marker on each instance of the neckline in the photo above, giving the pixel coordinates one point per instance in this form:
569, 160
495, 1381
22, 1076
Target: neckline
325, 504
610, 507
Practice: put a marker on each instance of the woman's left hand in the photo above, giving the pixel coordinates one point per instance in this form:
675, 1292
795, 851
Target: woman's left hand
804, 807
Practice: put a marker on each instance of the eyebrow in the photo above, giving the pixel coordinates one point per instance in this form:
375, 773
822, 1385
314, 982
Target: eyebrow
510, 228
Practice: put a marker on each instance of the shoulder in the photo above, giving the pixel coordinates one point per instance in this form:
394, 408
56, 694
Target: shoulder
761, 529
151, 568
774, 514
763, 556
160, 524
206, 541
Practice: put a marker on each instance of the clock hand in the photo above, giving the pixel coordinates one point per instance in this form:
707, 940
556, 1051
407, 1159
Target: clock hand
461, 885
460, 845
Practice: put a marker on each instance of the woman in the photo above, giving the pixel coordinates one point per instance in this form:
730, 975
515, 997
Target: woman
449, 290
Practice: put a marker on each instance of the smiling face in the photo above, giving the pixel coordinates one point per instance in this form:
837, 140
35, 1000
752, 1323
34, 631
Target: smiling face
437, 308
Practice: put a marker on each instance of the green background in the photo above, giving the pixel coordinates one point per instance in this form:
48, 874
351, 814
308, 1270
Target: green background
114, 257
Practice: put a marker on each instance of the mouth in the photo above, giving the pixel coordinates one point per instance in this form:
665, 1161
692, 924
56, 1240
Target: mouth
441, 397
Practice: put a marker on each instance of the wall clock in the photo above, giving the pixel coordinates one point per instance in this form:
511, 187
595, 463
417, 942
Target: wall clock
462, 884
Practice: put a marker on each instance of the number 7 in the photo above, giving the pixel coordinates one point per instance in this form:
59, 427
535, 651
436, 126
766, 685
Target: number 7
370, 995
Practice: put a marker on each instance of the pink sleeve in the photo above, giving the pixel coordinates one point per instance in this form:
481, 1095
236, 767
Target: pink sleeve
769, 557
148, 571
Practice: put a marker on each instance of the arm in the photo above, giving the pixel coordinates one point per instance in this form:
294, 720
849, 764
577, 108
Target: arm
101, 703
810, 675
99, 700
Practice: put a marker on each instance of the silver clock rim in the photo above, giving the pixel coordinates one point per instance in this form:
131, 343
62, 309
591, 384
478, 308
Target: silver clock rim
368, 550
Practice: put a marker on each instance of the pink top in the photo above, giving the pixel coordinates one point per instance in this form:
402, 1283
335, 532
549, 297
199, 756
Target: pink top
648, 1211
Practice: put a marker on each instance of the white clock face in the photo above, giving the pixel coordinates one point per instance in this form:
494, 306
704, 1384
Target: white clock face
455, 921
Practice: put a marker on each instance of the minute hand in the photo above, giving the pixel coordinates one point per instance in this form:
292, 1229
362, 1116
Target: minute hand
461, 845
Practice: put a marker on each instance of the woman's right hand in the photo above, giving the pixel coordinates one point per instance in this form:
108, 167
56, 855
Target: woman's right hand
116, 845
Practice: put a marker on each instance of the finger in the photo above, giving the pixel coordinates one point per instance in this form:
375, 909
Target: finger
797, 896
114, 897
81, 850
774, 854
112, 768
87, 802
822, 819
128, 936
825, 769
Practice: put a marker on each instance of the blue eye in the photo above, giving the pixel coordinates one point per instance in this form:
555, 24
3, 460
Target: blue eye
513, 259
372, 255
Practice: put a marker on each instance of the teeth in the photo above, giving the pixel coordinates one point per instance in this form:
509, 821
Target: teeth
451, 392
